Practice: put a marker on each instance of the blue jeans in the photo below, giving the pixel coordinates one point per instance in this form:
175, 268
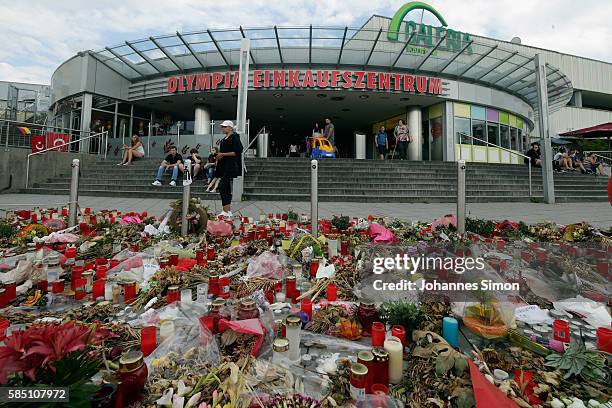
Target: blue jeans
162, 170
211, 172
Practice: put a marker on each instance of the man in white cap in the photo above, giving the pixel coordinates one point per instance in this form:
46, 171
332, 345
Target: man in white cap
229, 165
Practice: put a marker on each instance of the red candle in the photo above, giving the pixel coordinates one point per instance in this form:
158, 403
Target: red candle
144, 214
174, 259
213, 285
70, 252
290, 286
202, 262
378, 334
210, 253
604, 339
64, 212
129, 292
314, 267
43, 285
173, 294
34, 218
399, 332
77, 272
199, 254
270, 296
561, 331
11, 291
148, 339
332, 292
57, 286
602, 268
500, 244
101, 261
98, 289
296, 294
3, 299
306, 307
541, 256
79, 289
101, 272
278, 286
526, 255
87, 210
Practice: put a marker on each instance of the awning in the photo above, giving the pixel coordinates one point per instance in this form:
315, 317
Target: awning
594, 132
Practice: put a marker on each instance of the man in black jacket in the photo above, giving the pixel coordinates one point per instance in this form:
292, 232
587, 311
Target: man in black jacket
535, 155
229, 165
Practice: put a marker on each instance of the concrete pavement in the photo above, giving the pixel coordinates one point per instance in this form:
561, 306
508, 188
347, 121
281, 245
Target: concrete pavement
596, 213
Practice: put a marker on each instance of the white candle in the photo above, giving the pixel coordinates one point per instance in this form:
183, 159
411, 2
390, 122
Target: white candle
280, 297
393, 346
332, 247
293, 328
186, 296
108, 291
165, 330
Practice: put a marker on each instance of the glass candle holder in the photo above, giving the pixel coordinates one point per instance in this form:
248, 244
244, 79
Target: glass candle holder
186, 296
98, 289
202, 293
332, 292
173, 294
148, 339
378, 334
129, 292
306, 307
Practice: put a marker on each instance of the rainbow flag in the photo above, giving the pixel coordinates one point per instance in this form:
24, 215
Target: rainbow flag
24, 130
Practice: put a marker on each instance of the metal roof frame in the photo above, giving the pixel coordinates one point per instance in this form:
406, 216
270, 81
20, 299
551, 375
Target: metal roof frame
166, 53
191, 50
126, 62
143, 56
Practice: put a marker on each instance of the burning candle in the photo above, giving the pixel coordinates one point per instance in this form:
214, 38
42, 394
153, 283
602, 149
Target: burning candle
378, 334
393, 347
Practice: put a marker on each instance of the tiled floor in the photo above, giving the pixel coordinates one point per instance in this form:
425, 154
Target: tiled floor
599, 214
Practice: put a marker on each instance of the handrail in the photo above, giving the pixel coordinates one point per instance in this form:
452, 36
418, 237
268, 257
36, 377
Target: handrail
44, 126
499, 147
262, 130
104, 135
608, 159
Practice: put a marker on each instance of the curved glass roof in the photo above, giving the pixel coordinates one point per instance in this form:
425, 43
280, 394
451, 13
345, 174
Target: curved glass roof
478, 60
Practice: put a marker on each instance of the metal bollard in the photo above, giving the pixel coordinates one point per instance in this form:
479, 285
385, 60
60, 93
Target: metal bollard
186, 199
74, 194
314, 197
461, 196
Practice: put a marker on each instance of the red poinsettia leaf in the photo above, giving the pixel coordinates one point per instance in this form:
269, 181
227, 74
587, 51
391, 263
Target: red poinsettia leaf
10, 365
31, 373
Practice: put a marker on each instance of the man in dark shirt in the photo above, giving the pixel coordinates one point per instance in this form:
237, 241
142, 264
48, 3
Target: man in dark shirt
173, 161
229, 165
535, 156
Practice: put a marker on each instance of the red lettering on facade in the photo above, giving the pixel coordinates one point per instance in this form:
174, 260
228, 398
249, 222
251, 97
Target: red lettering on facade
421, 84
235, 80
227, 80
359, 80
266, 79
308, 81
217, 78
202, 82
257, 79
435, 86
372, 80
190, 79
409, 83
279, 79
181, 87
397, 78
172, 84
322, 79
335, 78
384, 81
294, 79
347, 78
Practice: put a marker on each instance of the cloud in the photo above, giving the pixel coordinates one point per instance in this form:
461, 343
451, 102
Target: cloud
37, 35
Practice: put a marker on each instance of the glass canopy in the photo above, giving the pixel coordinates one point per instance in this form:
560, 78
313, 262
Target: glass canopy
478, 60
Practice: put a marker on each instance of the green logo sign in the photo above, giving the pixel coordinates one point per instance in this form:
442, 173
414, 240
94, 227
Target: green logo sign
423, 36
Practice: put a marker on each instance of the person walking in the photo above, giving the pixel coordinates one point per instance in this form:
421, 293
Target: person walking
382, 144
229, 165
402, 138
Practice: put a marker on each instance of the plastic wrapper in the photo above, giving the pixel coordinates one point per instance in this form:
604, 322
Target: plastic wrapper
265, 265
490, 320
189, 340
219, 228
138, 267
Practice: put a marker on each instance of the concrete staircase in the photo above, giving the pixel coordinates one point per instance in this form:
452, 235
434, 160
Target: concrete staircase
288, 179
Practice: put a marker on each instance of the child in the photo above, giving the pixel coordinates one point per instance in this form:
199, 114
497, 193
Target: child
210, 171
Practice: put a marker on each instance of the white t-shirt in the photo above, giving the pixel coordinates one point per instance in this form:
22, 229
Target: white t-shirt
293, 148
558, 156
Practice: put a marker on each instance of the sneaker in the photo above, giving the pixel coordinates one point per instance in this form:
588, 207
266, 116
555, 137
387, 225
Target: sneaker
173, 183
120, 164
157, 183
214, 190
126, 164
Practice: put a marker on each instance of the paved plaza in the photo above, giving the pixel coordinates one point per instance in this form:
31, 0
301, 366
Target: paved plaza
595, 213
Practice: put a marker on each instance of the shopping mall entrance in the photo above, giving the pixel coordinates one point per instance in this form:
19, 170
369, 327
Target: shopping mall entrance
290, 115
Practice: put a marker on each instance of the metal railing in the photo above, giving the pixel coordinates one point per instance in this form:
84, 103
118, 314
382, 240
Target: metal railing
103, 135
6, 124
499, 147
261, 131
604, 155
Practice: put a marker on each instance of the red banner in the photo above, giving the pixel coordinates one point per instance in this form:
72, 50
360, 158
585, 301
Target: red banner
58, 139
38, 143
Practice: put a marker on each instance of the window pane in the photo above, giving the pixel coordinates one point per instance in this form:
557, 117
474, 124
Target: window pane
478, 132
505, 136
513, 139
462, 125
493, 133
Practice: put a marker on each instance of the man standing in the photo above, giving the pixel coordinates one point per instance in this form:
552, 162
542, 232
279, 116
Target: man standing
229, 165
330, 133
172, 161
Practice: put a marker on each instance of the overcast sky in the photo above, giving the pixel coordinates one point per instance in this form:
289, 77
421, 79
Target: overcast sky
38, 35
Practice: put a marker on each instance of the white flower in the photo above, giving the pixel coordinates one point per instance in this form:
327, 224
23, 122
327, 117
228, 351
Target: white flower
166, 398
182, 389
193, 400
178, 402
